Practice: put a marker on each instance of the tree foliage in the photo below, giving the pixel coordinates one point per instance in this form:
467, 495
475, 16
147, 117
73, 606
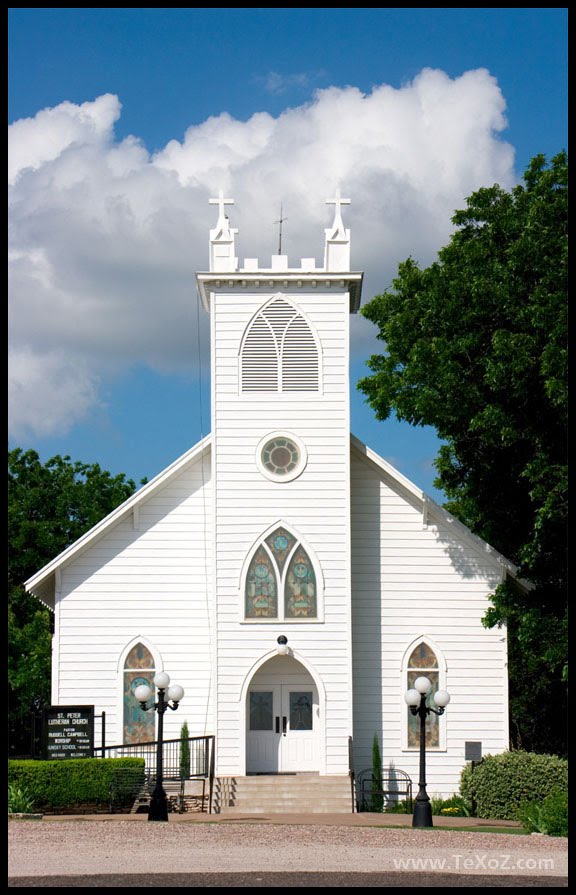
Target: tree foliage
476, 346
49, 507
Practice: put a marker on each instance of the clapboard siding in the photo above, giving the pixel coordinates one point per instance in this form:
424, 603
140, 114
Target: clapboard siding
411, 580
315, 506
126, 586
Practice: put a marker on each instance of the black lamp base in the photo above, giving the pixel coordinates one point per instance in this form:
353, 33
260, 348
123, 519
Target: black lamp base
422, 816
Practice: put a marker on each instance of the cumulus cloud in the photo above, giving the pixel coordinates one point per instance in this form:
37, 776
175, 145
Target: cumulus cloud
105, 239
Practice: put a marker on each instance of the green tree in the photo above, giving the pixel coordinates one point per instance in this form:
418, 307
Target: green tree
49, 506
377, 801
184, 750
476, 346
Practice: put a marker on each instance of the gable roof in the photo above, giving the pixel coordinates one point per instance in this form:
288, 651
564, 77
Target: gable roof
432, 509
44, 583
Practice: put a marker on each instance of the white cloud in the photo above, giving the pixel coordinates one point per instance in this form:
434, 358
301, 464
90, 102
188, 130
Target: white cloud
105, 240
49, 392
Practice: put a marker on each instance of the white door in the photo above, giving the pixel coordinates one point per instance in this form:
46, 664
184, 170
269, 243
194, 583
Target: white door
282, 730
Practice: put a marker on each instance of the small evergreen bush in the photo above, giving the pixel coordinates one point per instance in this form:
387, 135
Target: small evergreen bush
500, 784
184, 751
377, 801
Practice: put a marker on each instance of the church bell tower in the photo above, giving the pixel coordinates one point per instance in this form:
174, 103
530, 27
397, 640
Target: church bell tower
281, 543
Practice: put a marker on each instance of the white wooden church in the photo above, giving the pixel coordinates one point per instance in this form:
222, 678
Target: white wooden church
282, 526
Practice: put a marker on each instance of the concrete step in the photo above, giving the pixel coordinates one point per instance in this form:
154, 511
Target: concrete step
283, 794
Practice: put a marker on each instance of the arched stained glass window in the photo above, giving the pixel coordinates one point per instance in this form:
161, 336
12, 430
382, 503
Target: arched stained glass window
300, 587
139, 726
423, 663
281, 543
281, 566
261, 586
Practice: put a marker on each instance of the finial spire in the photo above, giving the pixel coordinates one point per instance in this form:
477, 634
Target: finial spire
337, 246
338, 229
222, 222
280, 221
222, 249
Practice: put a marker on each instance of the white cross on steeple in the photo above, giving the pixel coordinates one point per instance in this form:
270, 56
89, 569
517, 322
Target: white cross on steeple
222, 250
338, 225
222, 222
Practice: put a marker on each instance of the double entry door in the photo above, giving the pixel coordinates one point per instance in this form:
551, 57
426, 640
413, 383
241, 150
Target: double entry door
282, 729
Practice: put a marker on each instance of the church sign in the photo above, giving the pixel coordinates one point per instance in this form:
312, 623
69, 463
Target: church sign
68, 731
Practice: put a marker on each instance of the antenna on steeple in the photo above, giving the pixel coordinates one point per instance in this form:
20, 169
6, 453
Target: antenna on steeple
280, 222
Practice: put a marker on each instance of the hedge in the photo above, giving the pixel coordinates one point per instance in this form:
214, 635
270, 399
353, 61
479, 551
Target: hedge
69, 783
500, 784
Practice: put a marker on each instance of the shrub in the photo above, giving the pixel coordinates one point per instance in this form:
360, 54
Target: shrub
65, 784
500, 784
19, 800
403, 807
184, 750
377, 802
549, 816
455, 806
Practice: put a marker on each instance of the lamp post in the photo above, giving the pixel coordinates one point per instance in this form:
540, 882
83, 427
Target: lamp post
416, 700
158, 809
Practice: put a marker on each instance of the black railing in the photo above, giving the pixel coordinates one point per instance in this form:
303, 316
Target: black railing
351, 774
200, 762
197, 765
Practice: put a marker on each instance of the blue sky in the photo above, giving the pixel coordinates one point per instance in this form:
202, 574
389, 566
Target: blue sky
124, 122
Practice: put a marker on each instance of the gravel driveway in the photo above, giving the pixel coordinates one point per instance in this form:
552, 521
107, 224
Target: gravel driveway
91, 846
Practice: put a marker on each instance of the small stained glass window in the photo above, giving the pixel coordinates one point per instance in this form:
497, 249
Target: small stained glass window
280, 543
261, 590
300, 711
423, 663
261, 710
139, 726
280, 456
300, 587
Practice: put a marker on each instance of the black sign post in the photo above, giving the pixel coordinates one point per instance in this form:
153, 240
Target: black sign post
68, 731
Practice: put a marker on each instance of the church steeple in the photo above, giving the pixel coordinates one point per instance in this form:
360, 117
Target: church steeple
334, 272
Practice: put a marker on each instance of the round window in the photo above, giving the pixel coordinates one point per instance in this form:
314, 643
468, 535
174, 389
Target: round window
281, 457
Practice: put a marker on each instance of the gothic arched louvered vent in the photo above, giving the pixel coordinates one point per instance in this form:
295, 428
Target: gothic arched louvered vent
279, 352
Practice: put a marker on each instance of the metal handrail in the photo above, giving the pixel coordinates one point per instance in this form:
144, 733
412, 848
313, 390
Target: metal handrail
201, 758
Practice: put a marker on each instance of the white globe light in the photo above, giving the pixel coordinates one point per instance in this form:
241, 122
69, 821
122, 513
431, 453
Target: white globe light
422, 684
161, 680
143, 693
442, 698
412, 697
175, 693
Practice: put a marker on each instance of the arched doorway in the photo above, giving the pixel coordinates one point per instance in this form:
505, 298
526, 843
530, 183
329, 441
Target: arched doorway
282, 719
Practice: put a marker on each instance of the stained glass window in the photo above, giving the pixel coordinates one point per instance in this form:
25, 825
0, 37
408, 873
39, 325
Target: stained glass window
280, 456
281, 566
261, 710
280, 543
300, 587
261, 588
423, 663
139, 726
300, 711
